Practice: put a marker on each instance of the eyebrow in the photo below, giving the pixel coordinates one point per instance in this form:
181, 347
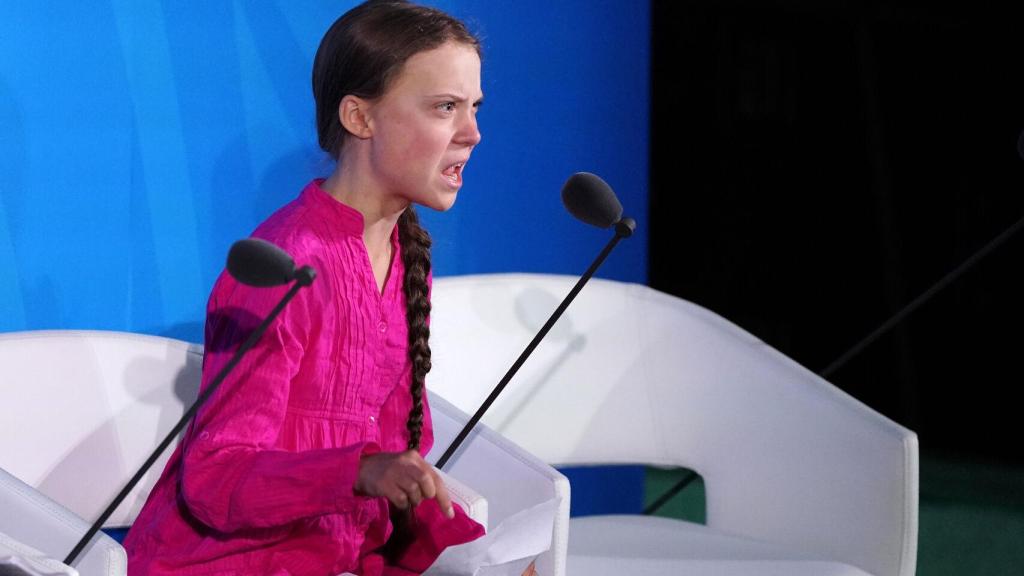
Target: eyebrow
456, 98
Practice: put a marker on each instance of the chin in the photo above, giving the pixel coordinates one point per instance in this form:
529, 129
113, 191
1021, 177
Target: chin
441, 203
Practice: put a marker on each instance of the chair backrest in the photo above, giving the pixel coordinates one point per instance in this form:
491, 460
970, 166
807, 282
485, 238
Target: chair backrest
29, 518
82, 410
631, 375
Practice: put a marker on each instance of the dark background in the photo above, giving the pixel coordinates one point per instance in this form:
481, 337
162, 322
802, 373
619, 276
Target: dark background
818, 165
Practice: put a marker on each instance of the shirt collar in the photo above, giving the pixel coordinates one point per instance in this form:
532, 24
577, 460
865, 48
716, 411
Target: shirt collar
346, 218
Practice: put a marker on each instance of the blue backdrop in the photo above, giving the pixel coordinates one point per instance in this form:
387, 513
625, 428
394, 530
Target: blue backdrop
139, 138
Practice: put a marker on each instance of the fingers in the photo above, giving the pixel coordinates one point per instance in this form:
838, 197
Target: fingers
399, 499
414, 478
441, 493
405, 479
428, 484
415, 494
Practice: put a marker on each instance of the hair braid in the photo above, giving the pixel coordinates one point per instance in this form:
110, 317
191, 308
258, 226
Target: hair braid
416, 259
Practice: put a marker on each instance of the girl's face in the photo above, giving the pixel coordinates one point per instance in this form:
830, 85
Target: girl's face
424, 127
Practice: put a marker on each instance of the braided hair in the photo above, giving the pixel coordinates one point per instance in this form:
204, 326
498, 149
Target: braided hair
361, 54
416, 259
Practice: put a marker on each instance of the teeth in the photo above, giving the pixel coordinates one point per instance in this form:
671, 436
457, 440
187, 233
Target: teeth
454, 172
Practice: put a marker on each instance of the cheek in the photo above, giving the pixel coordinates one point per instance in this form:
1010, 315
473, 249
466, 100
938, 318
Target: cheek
408, 145
426, 144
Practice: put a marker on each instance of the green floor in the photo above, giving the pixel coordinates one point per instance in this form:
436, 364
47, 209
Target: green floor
971, 515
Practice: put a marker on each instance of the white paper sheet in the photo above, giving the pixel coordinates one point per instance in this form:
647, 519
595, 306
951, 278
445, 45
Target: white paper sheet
506, 550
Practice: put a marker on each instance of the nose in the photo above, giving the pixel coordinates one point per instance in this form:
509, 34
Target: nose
468, 133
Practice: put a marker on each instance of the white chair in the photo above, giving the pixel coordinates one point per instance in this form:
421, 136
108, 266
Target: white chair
800, 477
88, 408
81, 411
506, 476
36, 528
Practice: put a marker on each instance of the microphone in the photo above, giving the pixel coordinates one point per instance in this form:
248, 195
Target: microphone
259, 263
592, 200
251, 261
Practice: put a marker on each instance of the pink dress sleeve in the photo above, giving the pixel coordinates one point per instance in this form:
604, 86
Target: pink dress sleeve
432, 532
232, 476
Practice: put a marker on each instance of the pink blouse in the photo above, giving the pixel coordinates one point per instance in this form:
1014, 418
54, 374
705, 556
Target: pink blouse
262, 481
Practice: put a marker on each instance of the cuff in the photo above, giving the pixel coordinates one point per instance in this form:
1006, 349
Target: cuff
346, 496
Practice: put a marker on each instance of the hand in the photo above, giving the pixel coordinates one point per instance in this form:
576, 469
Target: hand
404, 478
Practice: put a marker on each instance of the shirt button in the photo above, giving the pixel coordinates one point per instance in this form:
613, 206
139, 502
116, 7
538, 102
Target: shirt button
382, 326
373, 420
204, 435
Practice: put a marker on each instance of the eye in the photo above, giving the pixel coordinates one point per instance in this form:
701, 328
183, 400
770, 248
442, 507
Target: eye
447, 107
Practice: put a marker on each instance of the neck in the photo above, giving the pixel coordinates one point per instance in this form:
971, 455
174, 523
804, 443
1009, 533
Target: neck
380, 211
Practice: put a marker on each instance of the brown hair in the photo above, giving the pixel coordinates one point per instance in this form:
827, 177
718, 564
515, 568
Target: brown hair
361, 54
365, 49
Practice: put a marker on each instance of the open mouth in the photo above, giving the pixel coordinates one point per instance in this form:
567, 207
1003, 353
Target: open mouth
454, 173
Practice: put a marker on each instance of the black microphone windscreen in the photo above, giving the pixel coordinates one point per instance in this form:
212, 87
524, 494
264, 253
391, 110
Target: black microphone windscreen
257, 262
591, 199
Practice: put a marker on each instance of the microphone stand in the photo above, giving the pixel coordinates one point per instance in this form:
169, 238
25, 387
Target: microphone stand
623, 229
303, 277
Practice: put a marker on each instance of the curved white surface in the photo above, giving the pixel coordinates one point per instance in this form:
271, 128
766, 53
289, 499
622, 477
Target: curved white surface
632, 375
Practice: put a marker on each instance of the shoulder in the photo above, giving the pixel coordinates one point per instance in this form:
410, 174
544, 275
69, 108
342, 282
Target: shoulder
298, 229
289, 228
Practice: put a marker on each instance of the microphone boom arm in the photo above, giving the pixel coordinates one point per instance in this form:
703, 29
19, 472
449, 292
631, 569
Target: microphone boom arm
303, 277
623, 229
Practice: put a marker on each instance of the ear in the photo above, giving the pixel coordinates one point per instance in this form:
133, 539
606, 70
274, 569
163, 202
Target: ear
352, 112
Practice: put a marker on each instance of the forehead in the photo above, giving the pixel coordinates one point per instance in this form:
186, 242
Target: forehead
452, 68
